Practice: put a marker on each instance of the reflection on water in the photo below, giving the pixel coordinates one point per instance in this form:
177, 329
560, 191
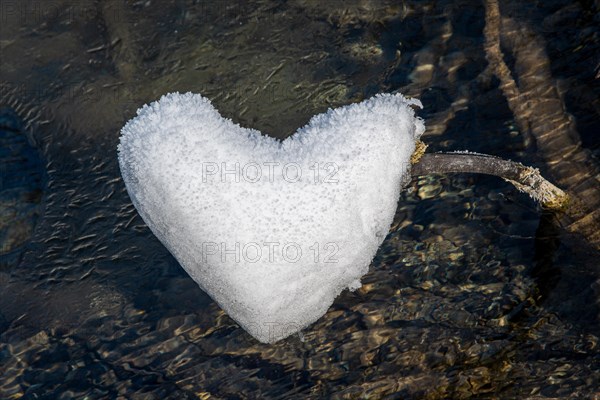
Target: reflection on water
474, 293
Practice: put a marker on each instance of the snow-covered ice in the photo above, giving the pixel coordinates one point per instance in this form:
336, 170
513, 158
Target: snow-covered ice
272, 231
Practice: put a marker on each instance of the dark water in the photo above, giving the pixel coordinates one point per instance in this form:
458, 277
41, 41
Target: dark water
474, 294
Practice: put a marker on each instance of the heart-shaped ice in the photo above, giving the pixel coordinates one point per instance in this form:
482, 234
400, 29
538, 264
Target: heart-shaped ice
272, 231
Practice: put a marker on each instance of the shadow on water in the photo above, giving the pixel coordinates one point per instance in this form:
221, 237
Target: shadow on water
22, 183
473, 294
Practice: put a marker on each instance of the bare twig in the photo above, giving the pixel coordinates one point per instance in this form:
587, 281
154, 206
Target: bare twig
526, 179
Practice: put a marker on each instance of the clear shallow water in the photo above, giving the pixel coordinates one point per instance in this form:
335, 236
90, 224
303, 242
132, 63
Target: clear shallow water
471, 295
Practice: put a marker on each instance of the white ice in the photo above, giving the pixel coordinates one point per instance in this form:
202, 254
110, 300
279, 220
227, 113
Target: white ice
273, 250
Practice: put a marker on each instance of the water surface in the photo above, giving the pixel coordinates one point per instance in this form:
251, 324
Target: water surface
475, 293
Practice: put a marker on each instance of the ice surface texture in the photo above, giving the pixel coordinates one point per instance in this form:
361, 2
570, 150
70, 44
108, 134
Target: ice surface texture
272, 231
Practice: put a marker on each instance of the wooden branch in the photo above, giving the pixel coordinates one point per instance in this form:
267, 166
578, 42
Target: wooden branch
526, 179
